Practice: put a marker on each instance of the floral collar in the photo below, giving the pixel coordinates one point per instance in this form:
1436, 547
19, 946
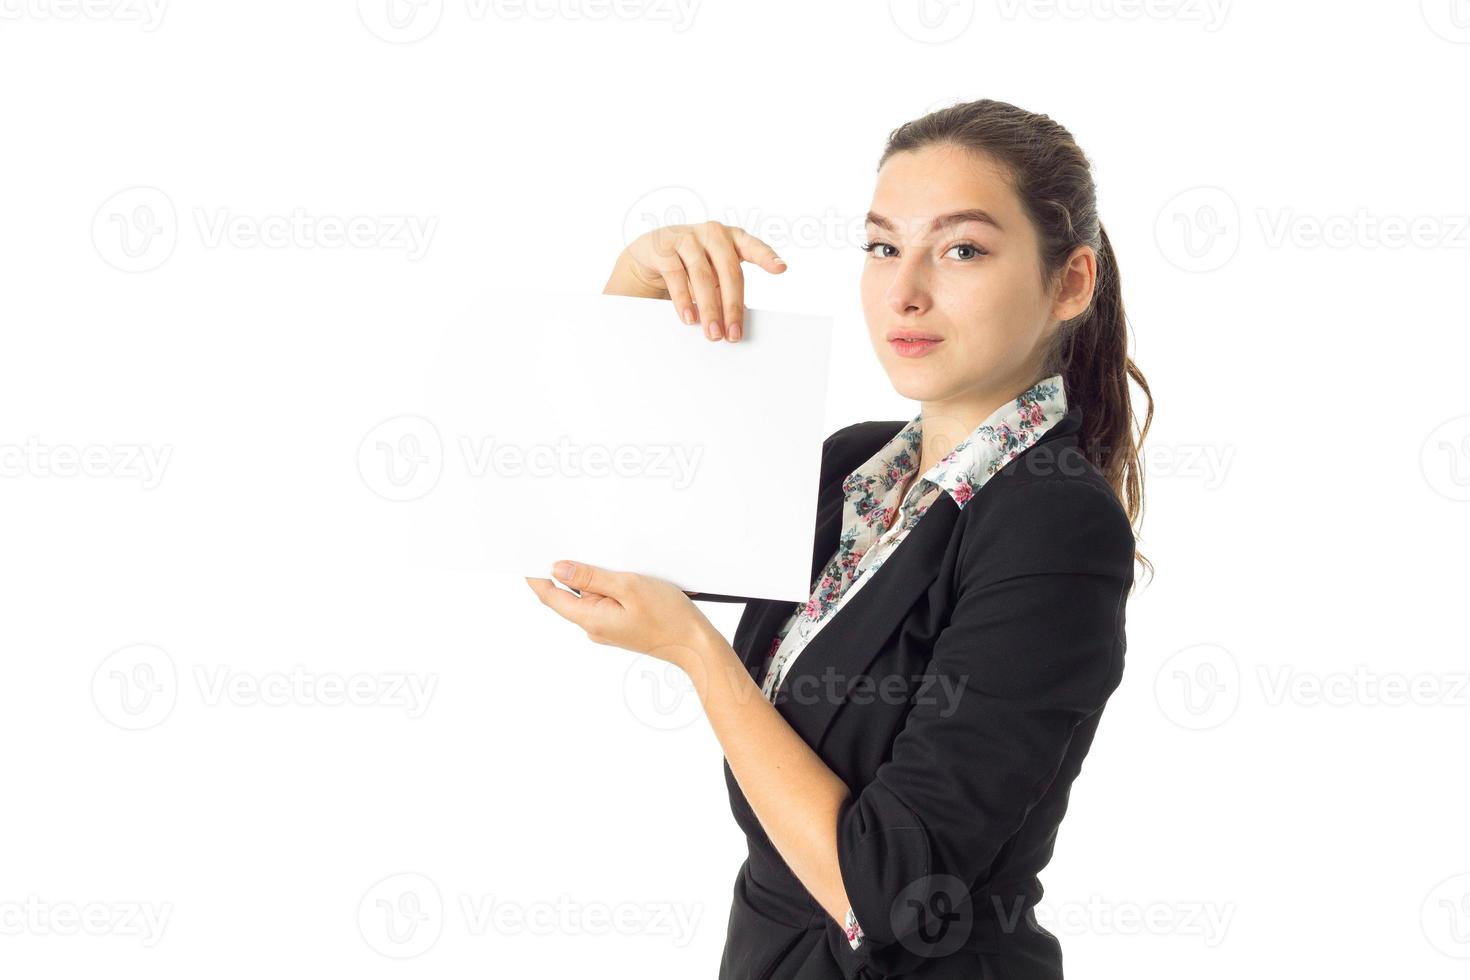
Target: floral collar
1009, 431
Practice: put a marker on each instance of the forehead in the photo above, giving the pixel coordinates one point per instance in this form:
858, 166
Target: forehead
914, 186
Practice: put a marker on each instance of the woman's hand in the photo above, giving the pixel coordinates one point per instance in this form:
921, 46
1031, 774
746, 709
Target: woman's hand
698, 267
628, 610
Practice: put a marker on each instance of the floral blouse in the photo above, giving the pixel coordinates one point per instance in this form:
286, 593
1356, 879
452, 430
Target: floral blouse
883, 500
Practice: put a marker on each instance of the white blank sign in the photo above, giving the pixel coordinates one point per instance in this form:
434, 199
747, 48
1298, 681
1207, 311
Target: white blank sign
601, 429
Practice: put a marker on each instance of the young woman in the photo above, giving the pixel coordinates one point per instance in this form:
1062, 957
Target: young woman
899, 749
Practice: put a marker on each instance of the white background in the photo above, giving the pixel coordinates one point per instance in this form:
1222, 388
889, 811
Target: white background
1262, 799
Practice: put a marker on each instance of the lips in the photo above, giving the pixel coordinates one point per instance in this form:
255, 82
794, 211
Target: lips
913, 348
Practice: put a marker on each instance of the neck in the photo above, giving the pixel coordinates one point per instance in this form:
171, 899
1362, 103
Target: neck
947, 423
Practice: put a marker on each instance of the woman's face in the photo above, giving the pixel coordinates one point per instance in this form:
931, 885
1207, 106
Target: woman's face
973, 282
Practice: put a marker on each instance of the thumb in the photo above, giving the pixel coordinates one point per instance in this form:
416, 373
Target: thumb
584, 577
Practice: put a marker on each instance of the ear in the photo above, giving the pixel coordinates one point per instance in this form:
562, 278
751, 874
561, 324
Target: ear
1076, 281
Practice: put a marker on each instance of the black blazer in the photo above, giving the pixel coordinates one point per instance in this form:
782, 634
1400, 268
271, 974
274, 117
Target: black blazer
956, 695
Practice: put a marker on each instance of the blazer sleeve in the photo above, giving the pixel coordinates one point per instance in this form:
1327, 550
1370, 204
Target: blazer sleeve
720, 597
1034, 645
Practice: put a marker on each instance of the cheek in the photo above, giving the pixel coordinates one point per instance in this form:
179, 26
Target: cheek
992, 318
996, 302
868, 284
871, 294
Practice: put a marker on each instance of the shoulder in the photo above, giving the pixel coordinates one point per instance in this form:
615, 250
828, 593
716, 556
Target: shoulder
852, 438
853, 445
1048, 510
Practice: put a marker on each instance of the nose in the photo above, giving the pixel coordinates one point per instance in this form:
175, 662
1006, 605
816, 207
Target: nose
908, 292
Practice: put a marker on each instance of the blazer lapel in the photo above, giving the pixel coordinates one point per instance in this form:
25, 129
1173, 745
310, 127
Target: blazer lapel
821, 679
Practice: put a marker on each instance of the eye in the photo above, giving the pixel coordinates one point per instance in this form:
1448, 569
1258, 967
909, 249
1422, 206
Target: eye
976, 249
876, 247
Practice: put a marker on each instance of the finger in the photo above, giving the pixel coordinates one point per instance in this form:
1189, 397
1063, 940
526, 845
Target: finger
676, 281
703, 284
670, 269
754, 250
726, 262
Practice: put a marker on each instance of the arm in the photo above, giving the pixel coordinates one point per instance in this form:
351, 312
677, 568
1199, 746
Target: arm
789, 788
792, 792
1034, 645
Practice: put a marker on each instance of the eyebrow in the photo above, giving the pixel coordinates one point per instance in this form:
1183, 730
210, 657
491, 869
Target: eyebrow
943, 221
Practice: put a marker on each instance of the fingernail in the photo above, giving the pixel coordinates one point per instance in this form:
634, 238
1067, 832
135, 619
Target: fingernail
734, 333
712, 329
562, 570
779, 261
688, 315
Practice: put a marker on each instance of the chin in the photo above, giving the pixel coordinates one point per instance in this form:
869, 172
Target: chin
918, 386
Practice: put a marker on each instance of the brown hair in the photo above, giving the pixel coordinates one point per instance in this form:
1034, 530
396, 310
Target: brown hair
1053, 179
